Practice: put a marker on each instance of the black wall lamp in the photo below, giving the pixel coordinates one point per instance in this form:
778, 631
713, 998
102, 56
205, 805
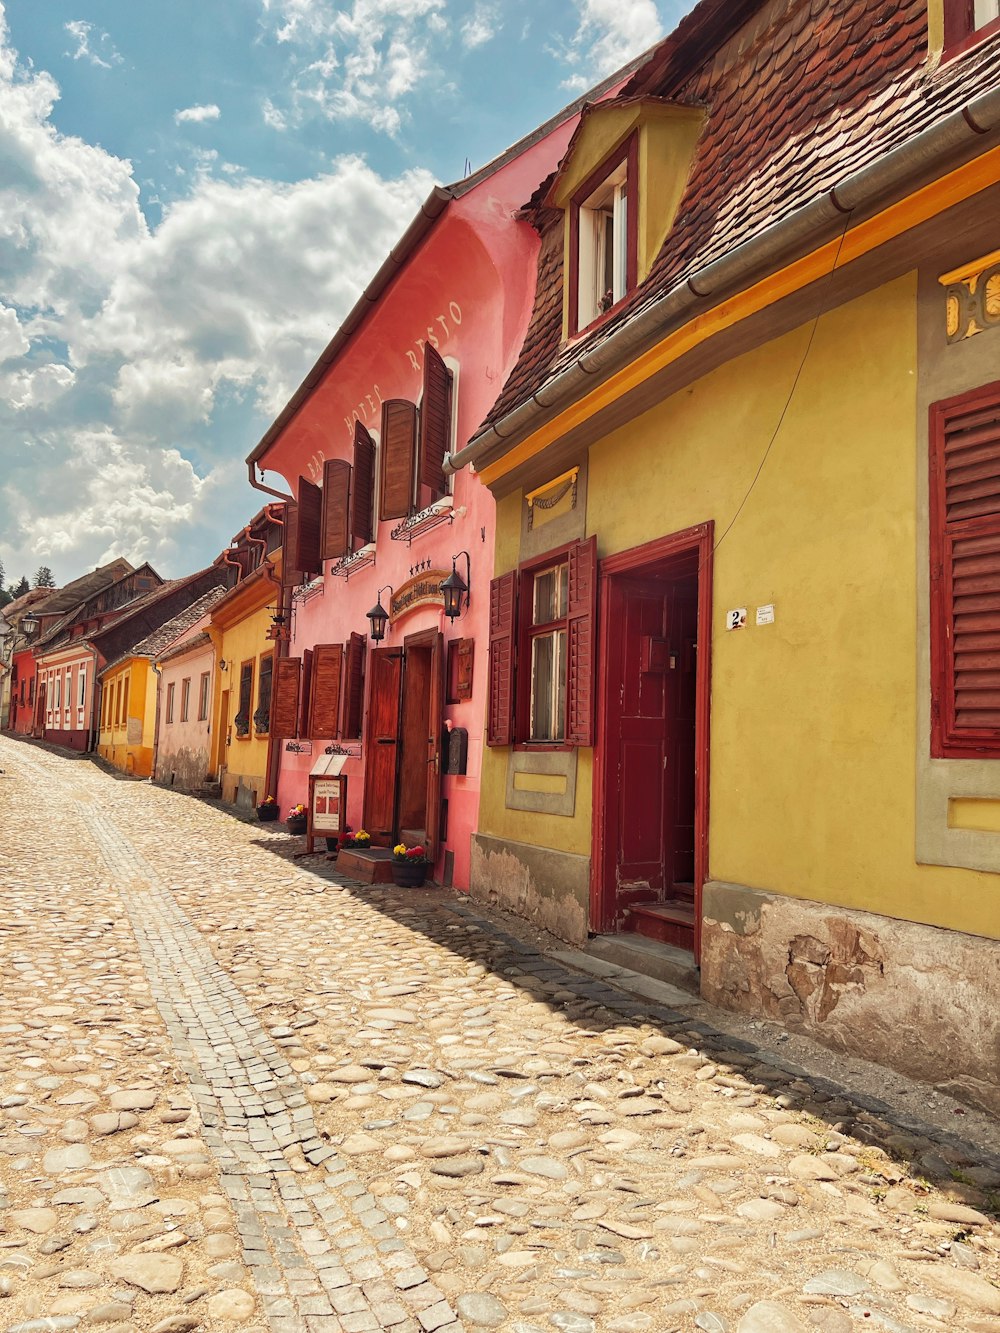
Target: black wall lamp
454, 588
379, 616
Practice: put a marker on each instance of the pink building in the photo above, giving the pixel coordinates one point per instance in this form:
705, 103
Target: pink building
378, 521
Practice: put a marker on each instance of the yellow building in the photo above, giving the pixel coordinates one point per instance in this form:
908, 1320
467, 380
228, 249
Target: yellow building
244, 631
745, 632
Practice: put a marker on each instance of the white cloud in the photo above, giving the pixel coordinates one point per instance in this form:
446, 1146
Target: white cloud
197, 114
123, 347
610, 33
481, 26
362, 60
84, 34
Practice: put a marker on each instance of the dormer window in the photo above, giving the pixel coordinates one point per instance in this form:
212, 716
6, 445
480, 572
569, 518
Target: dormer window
965, 21
604, 227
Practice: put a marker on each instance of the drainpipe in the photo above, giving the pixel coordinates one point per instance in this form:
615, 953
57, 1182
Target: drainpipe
862, 191
284, 598
156, 725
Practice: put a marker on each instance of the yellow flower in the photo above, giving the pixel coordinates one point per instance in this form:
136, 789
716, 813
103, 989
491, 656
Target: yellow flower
399, 849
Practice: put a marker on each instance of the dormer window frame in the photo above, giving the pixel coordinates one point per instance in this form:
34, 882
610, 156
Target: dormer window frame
588, 248
967, 23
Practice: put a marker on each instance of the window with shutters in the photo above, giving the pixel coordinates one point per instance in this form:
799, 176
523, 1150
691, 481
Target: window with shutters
967, 21
542, 644
965, 574
325, 690
415, 441
354, 687
262, 713
285, 697
241, 721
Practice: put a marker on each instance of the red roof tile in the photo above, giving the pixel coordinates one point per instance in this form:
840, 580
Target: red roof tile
804, 93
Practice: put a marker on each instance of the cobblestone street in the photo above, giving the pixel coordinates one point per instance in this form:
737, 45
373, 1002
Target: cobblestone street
237, 1093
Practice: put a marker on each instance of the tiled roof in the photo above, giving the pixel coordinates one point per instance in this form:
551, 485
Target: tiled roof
160, 638
200, 640
804, 93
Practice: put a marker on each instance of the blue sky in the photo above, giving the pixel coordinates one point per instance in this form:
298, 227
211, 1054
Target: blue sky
192, 196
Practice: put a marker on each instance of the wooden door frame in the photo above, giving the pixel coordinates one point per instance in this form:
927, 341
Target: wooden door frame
697, 540
434, 640
369, 745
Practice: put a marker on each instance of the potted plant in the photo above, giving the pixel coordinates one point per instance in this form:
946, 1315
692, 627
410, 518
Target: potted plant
409, 866
297, 819
358, 842
267, 811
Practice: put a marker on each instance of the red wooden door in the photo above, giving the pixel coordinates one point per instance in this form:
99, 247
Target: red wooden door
382, 744
434, 715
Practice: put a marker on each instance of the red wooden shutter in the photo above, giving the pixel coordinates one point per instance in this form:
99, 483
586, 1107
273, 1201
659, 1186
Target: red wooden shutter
285, 697
324, 704
308, 557
354, 687
291, 573
503, 623
363, 492
435, 422
336, 539
305, 694
399, 438
582, 642
965, 574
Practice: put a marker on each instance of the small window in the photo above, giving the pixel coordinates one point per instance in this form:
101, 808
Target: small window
547, 635
125, 704
603, 232
82, 692
59, 684
965, 21
242, 719
262, 714
185, 698
203, 690
170, 702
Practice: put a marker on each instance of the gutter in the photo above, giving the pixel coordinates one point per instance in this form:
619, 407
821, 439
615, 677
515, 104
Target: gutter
754, 259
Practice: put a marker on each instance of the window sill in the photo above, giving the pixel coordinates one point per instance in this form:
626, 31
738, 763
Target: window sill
969, 43
598, 321
542, 747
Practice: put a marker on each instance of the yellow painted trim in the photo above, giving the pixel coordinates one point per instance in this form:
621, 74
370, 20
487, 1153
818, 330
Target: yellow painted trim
977, 813
861, 240
970, 270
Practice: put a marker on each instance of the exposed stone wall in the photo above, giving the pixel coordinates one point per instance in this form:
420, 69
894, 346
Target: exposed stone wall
185, 768
920, 999
549, 888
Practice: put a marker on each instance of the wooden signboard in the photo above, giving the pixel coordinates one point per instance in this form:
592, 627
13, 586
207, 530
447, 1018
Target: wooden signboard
327, 807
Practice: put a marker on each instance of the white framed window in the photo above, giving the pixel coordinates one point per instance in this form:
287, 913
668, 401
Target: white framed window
203, 692
548, 633
81, 695
985, 11
603, 247
185, 698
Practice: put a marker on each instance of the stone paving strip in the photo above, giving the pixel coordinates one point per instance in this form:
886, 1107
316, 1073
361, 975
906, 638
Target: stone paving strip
551, 1152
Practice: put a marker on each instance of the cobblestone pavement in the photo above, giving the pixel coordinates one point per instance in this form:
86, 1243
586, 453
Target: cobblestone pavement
239, 1094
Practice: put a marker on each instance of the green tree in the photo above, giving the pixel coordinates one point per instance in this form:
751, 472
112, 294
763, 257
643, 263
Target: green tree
43, 577
19, 589
5, 596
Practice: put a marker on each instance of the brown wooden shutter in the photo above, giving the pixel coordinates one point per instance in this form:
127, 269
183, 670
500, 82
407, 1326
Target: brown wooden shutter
285, 697
582, 642
308, 557
354, 687
363, 492
503, 625
324, 704
965, 574
399, 439
435, 422
305, 694
336, 538
291, 573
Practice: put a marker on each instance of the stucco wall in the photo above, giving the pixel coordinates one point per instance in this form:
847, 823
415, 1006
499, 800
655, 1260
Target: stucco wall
244, 757
182, 758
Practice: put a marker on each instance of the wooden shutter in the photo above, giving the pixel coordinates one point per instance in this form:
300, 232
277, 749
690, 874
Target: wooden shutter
399, 440
363, 492
336, 528
285, 697
305, 694
354, 687
291, 573
581, 642
965, 574
435, 422
503, 623
324, 704
307, 530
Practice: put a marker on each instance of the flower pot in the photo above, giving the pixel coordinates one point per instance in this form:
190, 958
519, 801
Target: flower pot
409, 874
332, 844
267, 813
297, 826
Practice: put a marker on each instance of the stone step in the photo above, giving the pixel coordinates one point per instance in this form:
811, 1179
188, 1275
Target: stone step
651, 958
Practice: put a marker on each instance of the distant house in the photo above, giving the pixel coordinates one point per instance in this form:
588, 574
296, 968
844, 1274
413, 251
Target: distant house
131, 687
126, 647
